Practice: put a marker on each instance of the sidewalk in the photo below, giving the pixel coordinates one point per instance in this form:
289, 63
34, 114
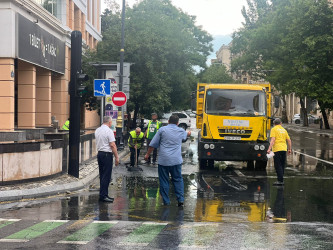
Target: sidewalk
313, 128
60, 184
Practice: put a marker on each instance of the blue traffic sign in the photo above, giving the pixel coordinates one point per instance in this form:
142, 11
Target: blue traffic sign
102, 87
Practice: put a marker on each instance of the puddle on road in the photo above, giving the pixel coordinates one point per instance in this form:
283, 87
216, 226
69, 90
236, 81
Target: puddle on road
210, 196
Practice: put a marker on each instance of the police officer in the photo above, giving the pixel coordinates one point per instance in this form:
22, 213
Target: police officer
153, 127
66, 125
135, 141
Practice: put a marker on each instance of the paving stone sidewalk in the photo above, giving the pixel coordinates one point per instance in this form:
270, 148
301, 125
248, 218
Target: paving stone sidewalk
60, 184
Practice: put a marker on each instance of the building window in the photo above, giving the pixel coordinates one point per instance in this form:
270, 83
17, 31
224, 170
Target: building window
52, 6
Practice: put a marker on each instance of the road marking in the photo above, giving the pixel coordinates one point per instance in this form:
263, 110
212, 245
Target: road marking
88, 233
32, 232
310, 156
6, 222
144, 234
13, 240
199, 236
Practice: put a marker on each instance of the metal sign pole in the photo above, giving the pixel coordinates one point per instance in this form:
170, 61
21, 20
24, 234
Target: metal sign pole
120, 118
102, 108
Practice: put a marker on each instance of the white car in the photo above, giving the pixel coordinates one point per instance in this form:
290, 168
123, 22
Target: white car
184, 119
296, 119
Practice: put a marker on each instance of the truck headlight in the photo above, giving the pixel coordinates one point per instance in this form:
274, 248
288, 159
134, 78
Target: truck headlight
256, 147
212, 146
206, 146
262, 147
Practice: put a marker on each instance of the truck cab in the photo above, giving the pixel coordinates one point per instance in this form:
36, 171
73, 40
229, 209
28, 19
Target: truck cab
234, 122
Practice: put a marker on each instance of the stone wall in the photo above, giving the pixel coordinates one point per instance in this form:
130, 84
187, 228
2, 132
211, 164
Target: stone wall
29, 160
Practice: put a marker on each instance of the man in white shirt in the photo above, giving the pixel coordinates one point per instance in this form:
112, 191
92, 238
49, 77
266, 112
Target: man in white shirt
106, 147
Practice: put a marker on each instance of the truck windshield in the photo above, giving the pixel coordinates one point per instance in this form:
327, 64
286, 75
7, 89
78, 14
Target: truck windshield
235, 102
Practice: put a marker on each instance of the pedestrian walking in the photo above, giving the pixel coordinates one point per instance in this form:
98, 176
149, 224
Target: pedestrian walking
106, 147
169, 139
279, 139
152, 128
135, 142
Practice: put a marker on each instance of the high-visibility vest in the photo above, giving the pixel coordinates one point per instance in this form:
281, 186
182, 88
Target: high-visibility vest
158, 125
66, 125
136, 138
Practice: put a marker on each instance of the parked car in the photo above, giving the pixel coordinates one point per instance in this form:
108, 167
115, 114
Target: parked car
296, 119
311, 118
184, 119
190, 113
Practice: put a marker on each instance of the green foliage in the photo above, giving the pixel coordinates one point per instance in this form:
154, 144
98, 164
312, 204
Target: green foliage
289, 43
216, 74
164, 45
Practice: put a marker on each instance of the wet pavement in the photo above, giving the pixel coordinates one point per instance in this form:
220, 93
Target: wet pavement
225, 206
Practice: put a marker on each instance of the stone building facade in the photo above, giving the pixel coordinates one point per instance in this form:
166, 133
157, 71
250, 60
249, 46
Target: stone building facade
35, 59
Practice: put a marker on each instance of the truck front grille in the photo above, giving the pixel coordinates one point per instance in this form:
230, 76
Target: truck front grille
243, 133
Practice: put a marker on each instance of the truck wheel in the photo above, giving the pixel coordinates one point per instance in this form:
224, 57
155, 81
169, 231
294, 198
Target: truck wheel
183, 126
250, 165
203, 164
261, 165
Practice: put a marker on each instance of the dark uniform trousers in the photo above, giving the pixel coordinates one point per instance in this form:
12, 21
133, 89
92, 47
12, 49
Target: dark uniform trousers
154, 152
280, 158
105, 162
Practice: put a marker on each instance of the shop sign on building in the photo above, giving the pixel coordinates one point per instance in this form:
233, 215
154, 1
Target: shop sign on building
37, 46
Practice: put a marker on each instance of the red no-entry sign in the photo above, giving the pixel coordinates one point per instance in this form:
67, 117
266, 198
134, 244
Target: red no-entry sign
119, 98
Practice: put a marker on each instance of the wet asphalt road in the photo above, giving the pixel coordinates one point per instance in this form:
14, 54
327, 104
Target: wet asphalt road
226, 206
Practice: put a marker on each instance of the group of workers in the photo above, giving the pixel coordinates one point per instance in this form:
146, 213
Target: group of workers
137, 137
168, 139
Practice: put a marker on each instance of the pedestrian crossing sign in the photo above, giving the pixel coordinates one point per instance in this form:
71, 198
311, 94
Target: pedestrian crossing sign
102, 87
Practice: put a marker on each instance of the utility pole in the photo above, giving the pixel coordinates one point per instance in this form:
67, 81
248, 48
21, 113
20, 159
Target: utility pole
120, 118
75, 89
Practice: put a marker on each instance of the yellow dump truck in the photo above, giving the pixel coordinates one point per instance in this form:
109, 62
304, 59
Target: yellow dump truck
234, 122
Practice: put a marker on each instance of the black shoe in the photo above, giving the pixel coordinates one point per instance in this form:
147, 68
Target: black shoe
154, 163
111, 198
180, 204
278, 183
106, 199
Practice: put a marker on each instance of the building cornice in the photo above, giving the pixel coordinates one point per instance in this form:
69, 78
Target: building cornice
40, 13
92, 30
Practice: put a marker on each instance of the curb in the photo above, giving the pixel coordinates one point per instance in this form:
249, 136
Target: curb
18, 194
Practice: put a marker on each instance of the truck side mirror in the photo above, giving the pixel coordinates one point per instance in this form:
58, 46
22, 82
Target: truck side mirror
276, 102
194, 101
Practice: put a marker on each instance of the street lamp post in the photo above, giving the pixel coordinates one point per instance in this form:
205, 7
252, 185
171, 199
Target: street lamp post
120, 118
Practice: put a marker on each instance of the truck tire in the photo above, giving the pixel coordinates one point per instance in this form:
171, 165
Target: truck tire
261, 165
250, 165
183, 126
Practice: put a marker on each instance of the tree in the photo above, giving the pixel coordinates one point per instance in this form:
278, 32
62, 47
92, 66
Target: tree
216, 74
289, 43
164, 45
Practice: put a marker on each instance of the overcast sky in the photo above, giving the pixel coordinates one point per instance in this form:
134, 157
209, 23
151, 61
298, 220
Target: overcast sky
218, 17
